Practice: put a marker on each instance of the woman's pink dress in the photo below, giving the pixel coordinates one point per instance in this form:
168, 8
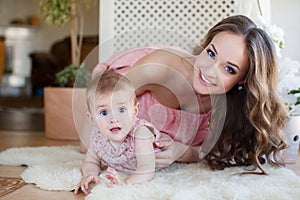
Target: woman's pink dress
185, 127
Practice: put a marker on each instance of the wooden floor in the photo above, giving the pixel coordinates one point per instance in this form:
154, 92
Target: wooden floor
17, 130
22, 113
22, 124
29, 191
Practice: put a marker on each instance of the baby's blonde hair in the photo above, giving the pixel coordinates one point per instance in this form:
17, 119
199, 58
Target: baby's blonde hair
105, 83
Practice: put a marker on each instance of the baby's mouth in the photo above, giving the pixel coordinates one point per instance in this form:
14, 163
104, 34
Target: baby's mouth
115, 130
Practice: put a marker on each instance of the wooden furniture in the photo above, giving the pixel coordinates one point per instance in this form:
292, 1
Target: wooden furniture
46, 64
2, 57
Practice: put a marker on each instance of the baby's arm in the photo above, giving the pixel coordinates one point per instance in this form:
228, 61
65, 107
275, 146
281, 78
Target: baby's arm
145, 160
144, 139
90, 169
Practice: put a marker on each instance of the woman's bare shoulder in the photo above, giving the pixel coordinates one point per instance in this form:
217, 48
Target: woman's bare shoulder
168, 57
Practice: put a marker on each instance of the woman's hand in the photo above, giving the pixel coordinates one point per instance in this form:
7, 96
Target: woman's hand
172, 151
84, 184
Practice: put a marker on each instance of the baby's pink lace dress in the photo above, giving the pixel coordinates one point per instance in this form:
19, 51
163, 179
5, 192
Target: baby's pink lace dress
123, 158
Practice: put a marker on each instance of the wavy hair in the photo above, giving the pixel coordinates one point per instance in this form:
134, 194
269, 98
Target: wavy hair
255, 116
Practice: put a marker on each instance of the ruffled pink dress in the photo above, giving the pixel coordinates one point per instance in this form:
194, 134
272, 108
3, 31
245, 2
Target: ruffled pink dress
123, 158
185, 127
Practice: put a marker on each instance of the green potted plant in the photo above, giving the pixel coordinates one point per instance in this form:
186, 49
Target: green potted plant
60, 12
67, 76
58, 101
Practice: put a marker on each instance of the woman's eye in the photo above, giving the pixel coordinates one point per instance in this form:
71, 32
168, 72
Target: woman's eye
122, 109
211, 53
229, 69
103, 113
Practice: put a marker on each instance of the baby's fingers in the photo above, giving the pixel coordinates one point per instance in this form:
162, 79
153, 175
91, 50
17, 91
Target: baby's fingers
111, 170
96, 179
81, 187
77, 189
85, 188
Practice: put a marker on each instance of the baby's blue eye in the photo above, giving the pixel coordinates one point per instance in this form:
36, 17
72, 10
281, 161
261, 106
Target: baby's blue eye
229, 69
122, 109
103, 113
211, 53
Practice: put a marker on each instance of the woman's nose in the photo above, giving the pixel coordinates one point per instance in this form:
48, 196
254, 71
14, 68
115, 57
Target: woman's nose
212, 71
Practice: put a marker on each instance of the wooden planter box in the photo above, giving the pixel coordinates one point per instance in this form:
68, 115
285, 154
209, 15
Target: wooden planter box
65, 111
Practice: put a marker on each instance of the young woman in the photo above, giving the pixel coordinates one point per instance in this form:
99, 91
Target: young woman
220, 104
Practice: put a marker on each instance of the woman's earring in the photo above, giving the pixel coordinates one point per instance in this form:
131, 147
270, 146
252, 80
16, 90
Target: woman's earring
240, 88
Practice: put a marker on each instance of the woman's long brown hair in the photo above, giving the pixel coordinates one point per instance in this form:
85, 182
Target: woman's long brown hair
255, 115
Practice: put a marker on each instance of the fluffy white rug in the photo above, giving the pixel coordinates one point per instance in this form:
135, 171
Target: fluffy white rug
58, 168
50, 168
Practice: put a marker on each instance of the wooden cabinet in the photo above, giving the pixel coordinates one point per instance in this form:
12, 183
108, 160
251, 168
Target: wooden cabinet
2, 57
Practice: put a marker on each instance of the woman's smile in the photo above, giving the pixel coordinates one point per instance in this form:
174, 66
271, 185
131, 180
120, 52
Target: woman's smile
205, 81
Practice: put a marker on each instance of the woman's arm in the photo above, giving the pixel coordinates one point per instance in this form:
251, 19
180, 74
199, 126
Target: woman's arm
191, 154
175, 151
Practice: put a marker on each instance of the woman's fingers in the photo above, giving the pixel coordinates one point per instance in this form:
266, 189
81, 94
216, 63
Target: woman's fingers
163, 143
163, 154
163, 159
171, 151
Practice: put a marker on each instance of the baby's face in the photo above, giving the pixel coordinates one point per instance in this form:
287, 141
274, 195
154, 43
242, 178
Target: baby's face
115, 114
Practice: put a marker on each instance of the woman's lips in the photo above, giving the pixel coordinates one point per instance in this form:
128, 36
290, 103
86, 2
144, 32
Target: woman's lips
205, 81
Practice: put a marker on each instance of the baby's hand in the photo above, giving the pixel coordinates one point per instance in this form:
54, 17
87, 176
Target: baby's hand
84, 184
114, 177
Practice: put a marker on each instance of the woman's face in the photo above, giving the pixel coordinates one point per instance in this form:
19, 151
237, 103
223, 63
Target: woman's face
221, 65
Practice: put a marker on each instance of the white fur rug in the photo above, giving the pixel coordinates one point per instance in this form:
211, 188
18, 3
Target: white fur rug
58, 168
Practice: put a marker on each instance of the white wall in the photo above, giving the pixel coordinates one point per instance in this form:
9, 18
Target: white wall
286, 14
46, 35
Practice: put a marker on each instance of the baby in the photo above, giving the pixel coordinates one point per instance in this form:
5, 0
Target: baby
119, 139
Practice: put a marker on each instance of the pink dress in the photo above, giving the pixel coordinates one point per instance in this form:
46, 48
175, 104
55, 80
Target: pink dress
185, 127
123, 158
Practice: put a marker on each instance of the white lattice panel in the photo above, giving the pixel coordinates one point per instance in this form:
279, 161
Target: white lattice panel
180, 23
